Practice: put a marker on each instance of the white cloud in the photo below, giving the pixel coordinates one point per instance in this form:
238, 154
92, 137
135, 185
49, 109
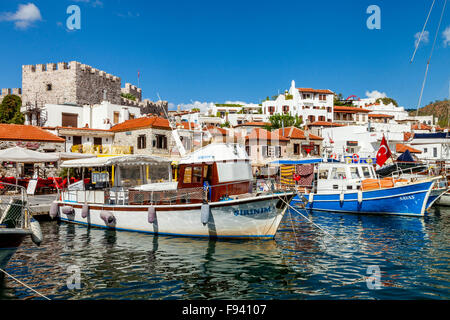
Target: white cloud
375, 94
24, 17
446, 36
425, 38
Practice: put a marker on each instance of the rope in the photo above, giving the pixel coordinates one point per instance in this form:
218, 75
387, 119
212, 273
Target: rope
317, 226
429, 59
423, 29
25, 285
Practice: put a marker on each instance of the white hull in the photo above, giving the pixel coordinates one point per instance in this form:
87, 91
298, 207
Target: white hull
244, 218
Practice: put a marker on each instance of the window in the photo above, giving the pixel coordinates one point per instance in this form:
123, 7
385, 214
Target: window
69, 120
187, 175
323, 174
132, 116
271, 110
76, 140
425, 150
338, 173
321, 118
142, 141
49, 87
434, 152
247, 149
354, 173
97, 141
197, 175
160, 141
285, 109
366, 172
116, 117
296, 148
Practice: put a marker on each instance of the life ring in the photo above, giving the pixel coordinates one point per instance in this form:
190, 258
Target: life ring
369, 160
296, 177
355, 157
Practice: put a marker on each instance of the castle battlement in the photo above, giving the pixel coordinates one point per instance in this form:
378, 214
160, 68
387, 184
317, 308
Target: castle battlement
6, 91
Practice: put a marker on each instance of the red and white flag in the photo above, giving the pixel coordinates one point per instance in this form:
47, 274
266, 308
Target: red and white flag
383, 153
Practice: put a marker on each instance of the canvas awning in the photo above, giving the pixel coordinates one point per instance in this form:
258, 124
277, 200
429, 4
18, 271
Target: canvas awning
22, 155
131, 160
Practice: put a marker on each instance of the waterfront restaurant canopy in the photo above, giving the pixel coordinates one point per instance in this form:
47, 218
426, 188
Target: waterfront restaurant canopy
126, 160
22, 155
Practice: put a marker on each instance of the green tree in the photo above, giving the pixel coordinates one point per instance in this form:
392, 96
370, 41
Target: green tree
10, 110
128, 96
279, 120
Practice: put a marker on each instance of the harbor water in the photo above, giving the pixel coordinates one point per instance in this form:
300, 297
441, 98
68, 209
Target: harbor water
353, 257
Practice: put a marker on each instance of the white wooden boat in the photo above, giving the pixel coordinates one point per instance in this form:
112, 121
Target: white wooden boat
213, 196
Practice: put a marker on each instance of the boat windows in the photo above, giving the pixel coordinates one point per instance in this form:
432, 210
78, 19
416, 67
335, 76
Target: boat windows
197, 175
130, 176
354, 173
323, 174
366, 172
338, 173
187, 175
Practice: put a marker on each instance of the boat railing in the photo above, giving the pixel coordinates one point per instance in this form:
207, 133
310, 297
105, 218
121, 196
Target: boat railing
14, 208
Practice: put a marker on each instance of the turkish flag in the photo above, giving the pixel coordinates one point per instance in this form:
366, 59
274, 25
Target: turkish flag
383, 153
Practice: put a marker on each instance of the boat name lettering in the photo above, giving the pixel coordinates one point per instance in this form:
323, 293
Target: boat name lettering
407, 198
249, 212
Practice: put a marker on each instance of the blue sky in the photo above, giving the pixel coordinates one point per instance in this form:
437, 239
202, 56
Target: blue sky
217, 51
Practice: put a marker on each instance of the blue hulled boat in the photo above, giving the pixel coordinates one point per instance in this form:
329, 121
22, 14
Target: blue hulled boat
355, 188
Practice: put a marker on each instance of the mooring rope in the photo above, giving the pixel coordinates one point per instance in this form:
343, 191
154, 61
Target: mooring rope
24, 284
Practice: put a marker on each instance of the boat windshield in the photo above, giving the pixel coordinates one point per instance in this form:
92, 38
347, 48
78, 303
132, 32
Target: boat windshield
128, 176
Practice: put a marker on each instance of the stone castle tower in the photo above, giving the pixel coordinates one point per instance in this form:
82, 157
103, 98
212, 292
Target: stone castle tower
72, 83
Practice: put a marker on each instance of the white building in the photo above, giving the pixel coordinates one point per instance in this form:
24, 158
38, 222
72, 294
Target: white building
99, 116
434, 146
309, 104
375, 107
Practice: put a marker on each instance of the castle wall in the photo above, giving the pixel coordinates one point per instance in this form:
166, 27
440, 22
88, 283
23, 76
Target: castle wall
135, 91
6, 91
71, 82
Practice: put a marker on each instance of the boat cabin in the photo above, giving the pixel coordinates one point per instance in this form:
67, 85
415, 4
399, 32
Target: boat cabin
338, 176
221, 170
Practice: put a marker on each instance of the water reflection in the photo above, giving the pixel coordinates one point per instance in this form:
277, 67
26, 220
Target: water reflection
301, 263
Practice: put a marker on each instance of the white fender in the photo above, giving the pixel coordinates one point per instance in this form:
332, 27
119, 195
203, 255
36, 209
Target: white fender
205, 211
108, 217
360, 196
311, 197
341, 197
54, 210
36, 233
85, 211
151, 214
67, 210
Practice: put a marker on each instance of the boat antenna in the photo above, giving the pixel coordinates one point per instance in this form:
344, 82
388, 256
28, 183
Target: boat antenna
429, 59
421, 34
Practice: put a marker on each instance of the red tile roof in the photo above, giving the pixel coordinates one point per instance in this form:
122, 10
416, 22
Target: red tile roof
349, 109
296, 133
400, 148
407, 136
326, 124
14, 132
141, 123
216, 131
376, 115
315, 90
263, 134
253, 124
188, 125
